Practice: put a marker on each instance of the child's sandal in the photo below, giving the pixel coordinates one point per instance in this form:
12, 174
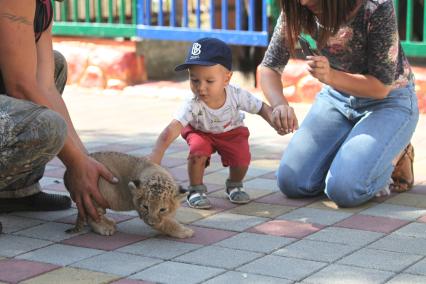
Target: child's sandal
403, 174
197, 197
236, 193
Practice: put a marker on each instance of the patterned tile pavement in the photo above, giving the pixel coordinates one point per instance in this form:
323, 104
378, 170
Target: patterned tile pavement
270, 240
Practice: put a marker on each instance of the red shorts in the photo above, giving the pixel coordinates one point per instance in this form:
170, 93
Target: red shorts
232, 146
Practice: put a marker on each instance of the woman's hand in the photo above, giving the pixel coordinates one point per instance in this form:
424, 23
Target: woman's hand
319, 67
284, 119
83, 186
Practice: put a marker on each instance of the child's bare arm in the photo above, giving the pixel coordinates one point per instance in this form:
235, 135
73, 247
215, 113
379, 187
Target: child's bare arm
167, 136
266, 113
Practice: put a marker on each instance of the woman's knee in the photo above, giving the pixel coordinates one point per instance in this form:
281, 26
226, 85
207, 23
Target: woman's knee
291, 184
346, 192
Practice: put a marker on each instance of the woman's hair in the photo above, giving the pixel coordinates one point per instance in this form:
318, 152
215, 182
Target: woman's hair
299, 19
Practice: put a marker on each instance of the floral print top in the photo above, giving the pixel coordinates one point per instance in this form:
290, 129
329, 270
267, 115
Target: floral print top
368, 44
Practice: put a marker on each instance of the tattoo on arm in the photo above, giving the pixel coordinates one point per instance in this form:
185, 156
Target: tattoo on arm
16, 19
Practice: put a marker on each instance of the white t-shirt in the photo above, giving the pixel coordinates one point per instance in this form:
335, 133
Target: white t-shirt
196, 113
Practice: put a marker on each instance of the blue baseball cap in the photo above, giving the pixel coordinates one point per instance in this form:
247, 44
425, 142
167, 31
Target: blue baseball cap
207, 51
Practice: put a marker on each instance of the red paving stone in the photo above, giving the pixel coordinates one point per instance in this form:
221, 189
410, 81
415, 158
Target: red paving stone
372, 223
284, 228
422, 219
15, 270
95, 241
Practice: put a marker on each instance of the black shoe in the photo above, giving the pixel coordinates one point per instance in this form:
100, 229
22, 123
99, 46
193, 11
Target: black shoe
40, 201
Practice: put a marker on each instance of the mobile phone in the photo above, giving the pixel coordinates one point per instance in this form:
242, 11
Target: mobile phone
306, 48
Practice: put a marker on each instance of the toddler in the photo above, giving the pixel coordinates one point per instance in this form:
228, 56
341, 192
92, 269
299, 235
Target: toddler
212, 121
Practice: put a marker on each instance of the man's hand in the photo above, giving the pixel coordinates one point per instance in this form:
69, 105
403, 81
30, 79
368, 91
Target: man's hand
83, 186
284, 119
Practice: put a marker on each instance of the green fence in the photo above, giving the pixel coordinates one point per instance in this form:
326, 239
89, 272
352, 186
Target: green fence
119, 18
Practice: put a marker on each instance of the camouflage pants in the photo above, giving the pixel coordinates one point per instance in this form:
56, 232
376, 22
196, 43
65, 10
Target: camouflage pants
30, 136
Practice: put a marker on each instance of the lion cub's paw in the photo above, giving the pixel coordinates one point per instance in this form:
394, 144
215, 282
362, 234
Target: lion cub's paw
184, 233
105, 227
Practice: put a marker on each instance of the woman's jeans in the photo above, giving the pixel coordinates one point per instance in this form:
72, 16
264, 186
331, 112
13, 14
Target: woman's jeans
345, 146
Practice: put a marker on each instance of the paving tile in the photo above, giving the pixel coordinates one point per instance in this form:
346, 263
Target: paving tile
286, 229
218, 178
46, 215
254, 193
266, 164
314, 216
50, 231
137, 227
261, 210
409, 199
206, 236
188, 215
112, 262
283, 267
261, 183
14, 245
177, 273
336, 273
422, 219
169, 162
372, 223
13, 223
159, 248
380, 259
131, 281
72, 276
398, 243
180, 174
271, 175
141, 152
350, 237
415, 230
330, 205
45, 181
317, 251
55, 172
279, 198
92, 240
407, 279
59, 254
255, 242
232, 222
419, 188
252, 171
14, 270
395, 211
220, 204
223, 257
418, 268
243, 278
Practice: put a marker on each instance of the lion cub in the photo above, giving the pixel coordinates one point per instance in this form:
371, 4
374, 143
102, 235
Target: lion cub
143, 186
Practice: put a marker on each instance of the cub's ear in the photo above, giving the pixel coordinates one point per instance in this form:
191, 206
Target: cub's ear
181, 192
134, 184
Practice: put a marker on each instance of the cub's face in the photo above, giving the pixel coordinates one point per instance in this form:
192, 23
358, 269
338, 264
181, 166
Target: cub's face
155, 198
